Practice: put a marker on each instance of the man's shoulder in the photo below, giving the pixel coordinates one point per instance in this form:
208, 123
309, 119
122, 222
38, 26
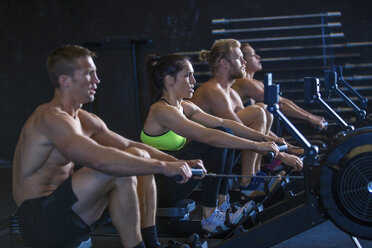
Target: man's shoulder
208, 88
91, 121
48, 114
37, 125
43, 113
86, 114
247, 87
243, 82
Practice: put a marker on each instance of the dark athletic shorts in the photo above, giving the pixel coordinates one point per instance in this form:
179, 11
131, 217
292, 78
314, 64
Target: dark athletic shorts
49, 221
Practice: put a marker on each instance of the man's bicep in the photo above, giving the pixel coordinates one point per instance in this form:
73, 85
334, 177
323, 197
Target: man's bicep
225, 111
66, 136
99, 132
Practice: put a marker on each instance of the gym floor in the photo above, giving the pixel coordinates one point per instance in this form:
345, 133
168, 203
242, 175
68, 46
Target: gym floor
326, 235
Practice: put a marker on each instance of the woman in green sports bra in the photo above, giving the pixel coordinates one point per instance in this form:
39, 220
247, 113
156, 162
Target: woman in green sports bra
172, 119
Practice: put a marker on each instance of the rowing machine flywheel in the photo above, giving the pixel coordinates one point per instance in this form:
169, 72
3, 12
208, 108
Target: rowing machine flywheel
346, 183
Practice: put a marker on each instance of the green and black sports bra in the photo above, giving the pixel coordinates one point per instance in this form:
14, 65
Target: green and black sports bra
169, 141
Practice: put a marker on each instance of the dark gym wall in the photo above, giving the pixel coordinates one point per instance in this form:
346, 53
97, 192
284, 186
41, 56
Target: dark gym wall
30, 30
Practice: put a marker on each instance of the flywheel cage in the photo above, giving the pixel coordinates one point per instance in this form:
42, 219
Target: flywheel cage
354, 188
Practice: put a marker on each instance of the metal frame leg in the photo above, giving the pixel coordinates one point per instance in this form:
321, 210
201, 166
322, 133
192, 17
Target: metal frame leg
355, 241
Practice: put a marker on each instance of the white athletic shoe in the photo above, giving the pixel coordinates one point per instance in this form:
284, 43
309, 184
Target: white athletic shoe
215, 223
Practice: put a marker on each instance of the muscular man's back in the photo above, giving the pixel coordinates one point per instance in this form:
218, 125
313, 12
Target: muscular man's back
38, 167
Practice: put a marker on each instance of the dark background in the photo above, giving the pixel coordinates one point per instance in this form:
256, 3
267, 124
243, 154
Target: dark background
31, 30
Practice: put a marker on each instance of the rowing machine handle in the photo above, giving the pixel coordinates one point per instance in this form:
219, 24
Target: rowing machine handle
318, 128
269, 157
195, 172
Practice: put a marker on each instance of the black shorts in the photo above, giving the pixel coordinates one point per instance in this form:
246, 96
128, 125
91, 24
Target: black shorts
49, 221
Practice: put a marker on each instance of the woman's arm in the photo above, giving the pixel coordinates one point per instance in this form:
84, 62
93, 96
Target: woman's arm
172, 119
199, 116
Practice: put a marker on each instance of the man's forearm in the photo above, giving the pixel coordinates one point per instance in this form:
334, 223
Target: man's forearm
290, 109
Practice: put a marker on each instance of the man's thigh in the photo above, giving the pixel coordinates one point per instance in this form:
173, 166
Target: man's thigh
50, 221
92, 189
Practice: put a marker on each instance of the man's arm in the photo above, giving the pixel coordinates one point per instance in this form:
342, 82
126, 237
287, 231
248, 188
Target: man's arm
108, 138
172, 119
102, 135
62, 130
255, 89
290, 109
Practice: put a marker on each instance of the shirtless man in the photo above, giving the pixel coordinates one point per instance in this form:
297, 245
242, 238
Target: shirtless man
251, 89
56, 205
218, 98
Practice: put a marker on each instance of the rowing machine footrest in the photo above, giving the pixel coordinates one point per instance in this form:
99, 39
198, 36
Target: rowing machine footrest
181, 209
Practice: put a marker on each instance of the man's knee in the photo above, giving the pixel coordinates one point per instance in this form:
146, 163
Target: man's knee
261, 105
253, 114
130, 182
138, 152
259, 113
269, 116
